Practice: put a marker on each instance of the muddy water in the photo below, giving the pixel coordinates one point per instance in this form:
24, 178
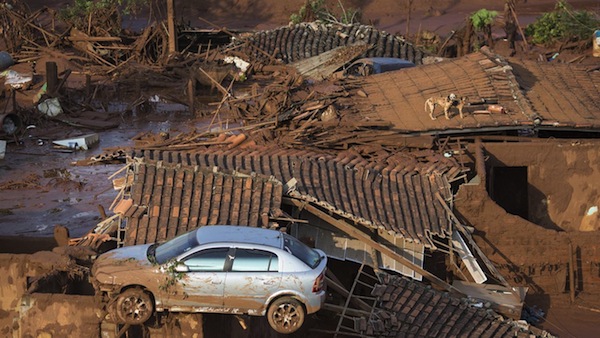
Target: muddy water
71, 195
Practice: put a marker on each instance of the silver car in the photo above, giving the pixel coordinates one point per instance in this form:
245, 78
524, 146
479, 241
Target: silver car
221, 269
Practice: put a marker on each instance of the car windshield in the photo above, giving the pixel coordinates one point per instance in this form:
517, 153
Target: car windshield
174, 247
309, 256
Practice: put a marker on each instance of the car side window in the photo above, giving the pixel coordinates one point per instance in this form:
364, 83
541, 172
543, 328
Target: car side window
209, 260
249, 260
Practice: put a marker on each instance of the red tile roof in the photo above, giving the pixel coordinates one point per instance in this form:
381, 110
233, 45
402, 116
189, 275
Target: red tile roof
171, 198
409, 308
399, 196
563, 95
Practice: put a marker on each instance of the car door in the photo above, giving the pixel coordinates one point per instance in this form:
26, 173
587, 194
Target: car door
201, 288
253, 277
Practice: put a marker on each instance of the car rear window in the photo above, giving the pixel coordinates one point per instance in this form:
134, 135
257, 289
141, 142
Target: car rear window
304, 253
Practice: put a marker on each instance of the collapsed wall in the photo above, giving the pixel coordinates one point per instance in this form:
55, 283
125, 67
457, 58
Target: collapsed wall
36, 315
560, 181
526, 253
556, 189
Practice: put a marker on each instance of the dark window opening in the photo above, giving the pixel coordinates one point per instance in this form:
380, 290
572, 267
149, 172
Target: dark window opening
509, 189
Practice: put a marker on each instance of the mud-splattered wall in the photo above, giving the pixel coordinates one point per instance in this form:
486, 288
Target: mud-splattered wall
41, 315
528, 254
563, 180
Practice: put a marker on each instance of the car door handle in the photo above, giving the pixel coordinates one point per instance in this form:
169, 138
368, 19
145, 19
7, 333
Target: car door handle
269, 282
215, 282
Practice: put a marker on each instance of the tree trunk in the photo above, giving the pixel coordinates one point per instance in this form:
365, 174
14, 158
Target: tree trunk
466, 48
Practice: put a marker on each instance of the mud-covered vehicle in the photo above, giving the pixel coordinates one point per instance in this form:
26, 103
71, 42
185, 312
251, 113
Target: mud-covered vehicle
219, 269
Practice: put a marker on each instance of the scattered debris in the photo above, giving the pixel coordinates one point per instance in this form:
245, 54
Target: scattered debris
83, 142
15, 81
50, 107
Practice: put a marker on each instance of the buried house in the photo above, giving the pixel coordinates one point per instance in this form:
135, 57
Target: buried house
391, 216
381, 184
412, 208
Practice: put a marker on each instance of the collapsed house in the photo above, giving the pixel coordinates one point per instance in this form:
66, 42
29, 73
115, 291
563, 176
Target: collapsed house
337, 204
348, 204
353, 203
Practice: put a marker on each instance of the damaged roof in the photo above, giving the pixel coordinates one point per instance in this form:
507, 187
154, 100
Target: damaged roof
305, 40
562, 94
398, 196
408, 308
168, 199
520, 90
399, 97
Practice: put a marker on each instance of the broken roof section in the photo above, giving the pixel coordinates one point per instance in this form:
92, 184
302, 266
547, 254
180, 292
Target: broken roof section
168, 198
305, 40
520, 90
408, 308
398, 196
564, 95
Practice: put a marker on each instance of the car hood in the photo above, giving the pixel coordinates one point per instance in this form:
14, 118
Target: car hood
123, 259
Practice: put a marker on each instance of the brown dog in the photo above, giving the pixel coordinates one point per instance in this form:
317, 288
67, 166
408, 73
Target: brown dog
446, 102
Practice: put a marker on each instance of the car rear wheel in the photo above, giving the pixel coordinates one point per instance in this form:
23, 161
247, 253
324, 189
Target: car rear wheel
286, 315
134, 306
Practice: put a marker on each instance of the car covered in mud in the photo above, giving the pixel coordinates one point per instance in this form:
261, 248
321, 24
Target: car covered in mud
218, 269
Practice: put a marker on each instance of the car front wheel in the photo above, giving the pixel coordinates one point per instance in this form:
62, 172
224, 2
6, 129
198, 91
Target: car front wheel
286, 315
134, 306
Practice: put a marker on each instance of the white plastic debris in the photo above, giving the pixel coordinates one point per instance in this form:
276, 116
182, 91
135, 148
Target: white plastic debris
240, 63
50, 107
16, 80
83, 142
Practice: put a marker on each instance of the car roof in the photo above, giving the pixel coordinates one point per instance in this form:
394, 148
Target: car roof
239, 234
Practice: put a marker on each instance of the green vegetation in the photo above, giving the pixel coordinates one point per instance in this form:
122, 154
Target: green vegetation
86, 7
172, 275
482, 19
562, 24
350, 15
310, 11
315, 10
88, 14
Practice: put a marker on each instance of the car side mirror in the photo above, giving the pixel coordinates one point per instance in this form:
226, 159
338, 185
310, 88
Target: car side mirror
181, 268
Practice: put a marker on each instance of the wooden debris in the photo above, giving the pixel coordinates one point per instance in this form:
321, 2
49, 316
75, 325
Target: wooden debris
323, 65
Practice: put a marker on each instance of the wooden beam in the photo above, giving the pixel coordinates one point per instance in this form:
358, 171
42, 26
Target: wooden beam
366, 238
571, 274
171, 26
51, 77
350, 311
458, 225
480, 161
339, 288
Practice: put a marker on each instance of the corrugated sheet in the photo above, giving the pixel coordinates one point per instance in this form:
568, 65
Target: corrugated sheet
408, 308
400, 199
169, 199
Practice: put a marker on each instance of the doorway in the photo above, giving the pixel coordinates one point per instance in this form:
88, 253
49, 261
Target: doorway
509, 189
